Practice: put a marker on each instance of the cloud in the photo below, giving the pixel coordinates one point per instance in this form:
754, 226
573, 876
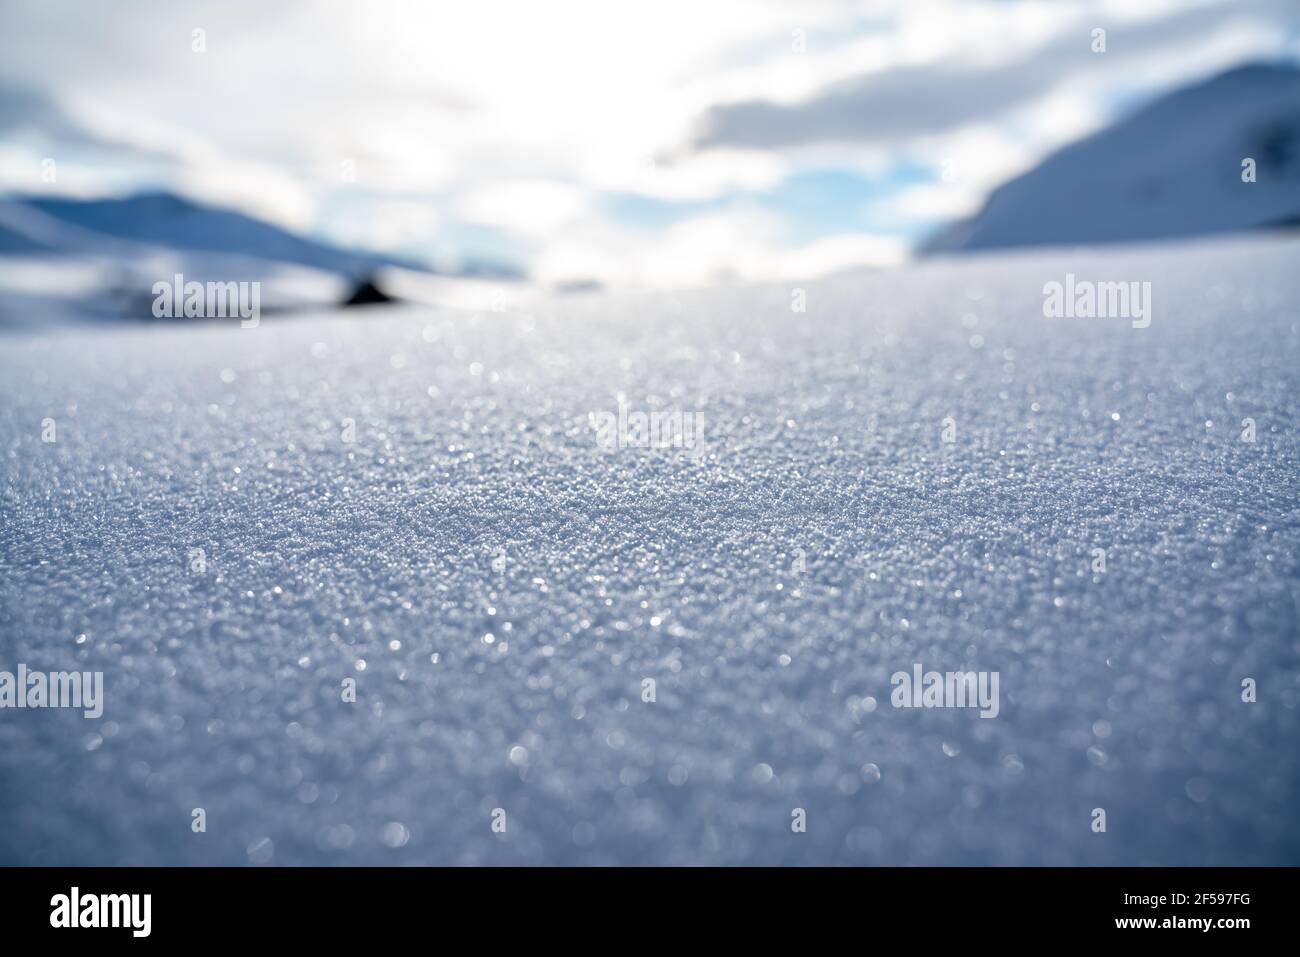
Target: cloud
744, 245
502, 130
38, 117
23, 109
528, 207
903, 103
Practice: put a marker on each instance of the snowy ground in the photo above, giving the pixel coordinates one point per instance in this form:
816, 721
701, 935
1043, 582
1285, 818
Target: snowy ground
520, 688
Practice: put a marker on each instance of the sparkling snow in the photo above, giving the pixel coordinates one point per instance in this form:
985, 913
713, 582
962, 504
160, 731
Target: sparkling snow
499, 587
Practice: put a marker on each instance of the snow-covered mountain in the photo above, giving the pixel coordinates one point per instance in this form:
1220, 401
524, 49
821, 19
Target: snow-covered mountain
1172, 169
164, 220
96, 259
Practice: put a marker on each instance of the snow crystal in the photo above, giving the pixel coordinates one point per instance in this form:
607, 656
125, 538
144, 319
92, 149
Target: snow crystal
233, 524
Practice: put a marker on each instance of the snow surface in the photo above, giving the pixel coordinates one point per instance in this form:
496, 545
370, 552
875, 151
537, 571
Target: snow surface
1119, 691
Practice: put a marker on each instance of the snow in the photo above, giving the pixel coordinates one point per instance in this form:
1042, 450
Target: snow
149, 222
93, 261
1172, 169
518, 686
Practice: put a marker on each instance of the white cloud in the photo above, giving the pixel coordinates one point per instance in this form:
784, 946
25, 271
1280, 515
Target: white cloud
527, 207
518, 116
997, 67
747, 245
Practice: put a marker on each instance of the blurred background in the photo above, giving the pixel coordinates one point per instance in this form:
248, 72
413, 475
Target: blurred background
592, 145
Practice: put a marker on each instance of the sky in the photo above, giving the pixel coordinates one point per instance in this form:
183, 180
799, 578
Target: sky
634, 144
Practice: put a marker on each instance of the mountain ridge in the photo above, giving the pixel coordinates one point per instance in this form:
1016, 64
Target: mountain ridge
53, 225
1171, 169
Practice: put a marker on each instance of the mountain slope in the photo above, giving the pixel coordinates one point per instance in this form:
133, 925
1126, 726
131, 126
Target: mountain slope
1170, 170
172, 222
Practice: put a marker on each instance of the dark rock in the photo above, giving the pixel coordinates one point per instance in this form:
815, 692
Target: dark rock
367, 293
